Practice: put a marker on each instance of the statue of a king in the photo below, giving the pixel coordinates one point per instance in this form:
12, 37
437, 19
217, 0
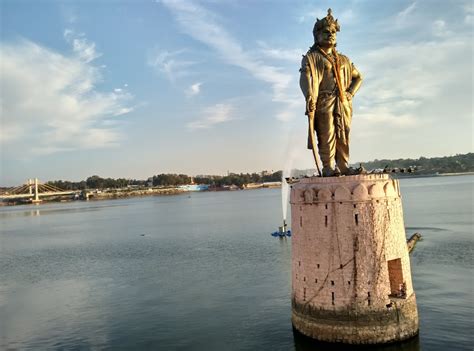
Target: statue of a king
329, 81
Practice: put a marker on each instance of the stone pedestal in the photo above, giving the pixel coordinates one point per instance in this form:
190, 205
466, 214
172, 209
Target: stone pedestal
350, 268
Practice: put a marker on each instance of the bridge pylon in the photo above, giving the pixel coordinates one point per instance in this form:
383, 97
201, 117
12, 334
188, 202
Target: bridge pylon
36, 200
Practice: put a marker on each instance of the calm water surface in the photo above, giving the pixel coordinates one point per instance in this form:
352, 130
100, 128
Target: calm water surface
201, 272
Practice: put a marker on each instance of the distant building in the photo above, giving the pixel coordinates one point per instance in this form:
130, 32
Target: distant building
271, 184
194, 187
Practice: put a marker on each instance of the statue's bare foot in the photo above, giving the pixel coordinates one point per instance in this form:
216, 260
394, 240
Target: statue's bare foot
328, 172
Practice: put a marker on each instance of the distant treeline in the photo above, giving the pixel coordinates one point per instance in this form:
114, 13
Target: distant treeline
422, 165
96, 182
239, 179
449, 164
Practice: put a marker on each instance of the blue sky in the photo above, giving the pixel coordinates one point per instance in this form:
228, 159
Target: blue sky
136, 88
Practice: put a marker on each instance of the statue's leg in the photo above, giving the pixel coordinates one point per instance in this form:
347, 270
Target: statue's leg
326, 139
342, 146
342, 156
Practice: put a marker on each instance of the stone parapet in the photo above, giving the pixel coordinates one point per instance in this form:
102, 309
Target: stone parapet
350, 267
357, 188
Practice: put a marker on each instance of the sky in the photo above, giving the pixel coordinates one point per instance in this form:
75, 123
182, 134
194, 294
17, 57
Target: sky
137, 88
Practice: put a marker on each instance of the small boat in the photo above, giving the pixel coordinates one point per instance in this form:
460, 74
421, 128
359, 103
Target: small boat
282, 231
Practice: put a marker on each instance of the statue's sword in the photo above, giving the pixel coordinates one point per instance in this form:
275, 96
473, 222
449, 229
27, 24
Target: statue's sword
311, 120
313, 142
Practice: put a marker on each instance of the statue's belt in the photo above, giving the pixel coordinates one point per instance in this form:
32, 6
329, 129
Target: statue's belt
328, 92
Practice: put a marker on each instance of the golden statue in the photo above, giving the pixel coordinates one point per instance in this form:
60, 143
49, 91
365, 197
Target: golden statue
329, 81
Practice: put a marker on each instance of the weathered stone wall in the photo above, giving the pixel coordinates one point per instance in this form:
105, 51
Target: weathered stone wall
344, 232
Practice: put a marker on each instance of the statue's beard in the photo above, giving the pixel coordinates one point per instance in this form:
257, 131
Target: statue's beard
316, 45
327, 45
324, 45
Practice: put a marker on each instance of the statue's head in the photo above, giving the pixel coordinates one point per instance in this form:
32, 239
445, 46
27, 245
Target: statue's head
324, 30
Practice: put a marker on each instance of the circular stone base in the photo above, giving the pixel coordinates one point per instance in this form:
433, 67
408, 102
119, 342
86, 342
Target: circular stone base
398, 323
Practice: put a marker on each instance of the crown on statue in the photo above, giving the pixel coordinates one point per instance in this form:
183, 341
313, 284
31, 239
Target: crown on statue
327, 21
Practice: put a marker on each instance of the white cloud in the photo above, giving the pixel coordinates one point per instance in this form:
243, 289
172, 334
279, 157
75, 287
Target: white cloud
345, 16
401, 20
395, 75
193, 89
468, 9
311, 15
170, 63
50, 103
83, 48
292, 55
292, 107
72, 19
400, 88
440, 30
204, 26
384, 115
407, 11
469, 19
123, 111
213, 115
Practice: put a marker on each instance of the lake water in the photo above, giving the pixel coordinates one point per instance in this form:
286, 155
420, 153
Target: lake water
201, 272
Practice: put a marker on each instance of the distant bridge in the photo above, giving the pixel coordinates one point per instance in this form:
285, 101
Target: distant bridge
33, 190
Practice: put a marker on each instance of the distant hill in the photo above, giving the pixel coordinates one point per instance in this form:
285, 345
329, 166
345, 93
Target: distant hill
460, 163
448, 164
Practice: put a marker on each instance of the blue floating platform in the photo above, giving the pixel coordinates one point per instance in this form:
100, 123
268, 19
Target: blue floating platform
281, 234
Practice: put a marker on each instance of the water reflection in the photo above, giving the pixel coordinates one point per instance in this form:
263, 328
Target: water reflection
80, 275
304, 343
49, 209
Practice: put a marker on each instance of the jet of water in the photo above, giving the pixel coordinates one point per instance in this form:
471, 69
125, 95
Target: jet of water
284, 196
285, 188
293, 149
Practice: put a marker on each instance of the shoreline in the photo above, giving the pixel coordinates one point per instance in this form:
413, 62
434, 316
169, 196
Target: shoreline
100, 195
120, 194
411, 175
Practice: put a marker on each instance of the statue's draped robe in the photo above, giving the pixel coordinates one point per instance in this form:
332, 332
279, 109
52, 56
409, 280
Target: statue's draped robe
333, 115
